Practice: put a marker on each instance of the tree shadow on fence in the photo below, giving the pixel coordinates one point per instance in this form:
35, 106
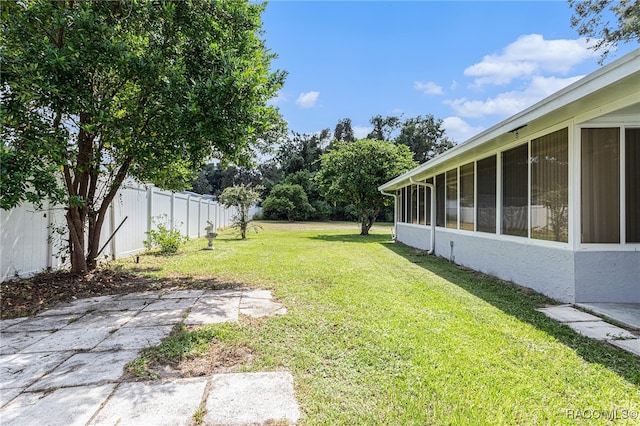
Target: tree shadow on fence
521, 303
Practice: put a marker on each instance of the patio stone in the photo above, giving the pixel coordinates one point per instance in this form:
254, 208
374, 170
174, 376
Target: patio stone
260, 307
76, 307
42, 323
125, 305
70, 339
153, 318
213, 310
600, 330
134, 338
158, 404
566, 313
109, 319
69, 407
251, 398
169, 304
11, 343
630, 345
21, 370
183, 294
9, 322
86, 369
143, 295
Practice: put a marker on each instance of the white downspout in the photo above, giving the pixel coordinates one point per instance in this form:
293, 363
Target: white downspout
433, 212
395, 211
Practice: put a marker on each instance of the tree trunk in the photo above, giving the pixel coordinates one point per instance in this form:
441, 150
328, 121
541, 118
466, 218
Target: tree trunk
364, 229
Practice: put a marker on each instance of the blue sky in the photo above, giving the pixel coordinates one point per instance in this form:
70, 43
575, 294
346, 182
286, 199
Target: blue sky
470, 63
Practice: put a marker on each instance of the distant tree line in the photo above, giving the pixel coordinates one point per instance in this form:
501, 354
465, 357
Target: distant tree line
291, 189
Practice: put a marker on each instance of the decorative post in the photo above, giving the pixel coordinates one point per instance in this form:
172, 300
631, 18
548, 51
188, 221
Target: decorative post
211, 234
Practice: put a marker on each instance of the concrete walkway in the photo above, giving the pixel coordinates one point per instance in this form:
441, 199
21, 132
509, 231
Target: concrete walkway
594, 327
63, 366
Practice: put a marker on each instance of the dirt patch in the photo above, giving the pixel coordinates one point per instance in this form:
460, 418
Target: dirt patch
218, 359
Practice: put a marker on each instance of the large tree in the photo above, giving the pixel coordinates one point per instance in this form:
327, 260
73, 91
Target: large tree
383, 127
95, 91
607, 22
424, 136
353, 172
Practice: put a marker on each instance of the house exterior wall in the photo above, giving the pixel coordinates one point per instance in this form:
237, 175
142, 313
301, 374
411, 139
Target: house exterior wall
547, 270
607, 277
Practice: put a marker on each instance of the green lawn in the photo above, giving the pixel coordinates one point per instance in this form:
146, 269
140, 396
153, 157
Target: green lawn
379, 333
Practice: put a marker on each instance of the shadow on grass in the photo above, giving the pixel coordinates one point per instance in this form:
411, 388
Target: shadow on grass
521, 302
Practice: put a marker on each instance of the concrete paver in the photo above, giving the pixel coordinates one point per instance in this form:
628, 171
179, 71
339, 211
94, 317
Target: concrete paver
567, 313
64, 366
167, 403
251, 398
70, 339
134, 338
631, 345
21, 370
86, 369
601, 330
76, 307
9, 322
70, 406
169, 304
43, 323
14, 342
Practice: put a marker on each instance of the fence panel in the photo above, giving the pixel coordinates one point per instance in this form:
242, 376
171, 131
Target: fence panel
33, 240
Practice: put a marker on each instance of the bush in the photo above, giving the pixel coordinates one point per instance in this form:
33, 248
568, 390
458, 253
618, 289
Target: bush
167, 239
287, 201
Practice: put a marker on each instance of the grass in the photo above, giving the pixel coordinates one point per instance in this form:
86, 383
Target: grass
379, 333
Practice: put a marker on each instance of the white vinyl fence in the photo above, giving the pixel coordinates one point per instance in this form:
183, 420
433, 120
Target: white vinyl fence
31, 239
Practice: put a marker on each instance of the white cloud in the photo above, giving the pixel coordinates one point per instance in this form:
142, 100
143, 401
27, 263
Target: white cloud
308, 99
280, 98
528, 56
454, 85
428, 88
459, 130
512, 102
361, 132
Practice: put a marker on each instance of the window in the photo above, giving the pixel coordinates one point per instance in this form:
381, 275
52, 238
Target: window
515, 187
422, 192
549, 186
467, 197
600, 185
486, 212
452, 199
427, 202
440, 202
414, 204
632, 185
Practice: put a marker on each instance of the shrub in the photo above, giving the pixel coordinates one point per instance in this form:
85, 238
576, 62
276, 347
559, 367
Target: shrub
287, 201
167, 239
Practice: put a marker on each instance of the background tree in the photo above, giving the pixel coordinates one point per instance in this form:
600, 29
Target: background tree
383, 127
424, 136
343, 131
93, 92
287, 201
353, 172
242, 198
592, 18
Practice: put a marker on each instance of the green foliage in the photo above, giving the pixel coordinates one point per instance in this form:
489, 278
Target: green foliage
242, 198
383, 127
287, 201
93, 92
424, 136
165, 237
353, 172
593, 18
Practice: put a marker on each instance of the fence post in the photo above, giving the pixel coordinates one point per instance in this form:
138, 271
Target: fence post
49, 236
199, 215
112, 222
172, 209
150, 212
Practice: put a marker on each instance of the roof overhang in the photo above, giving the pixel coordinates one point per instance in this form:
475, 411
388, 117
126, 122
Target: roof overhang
614, 87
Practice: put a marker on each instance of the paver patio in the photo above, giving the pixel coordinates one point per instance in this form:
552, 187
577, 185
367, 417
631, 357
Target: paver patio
63, 366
